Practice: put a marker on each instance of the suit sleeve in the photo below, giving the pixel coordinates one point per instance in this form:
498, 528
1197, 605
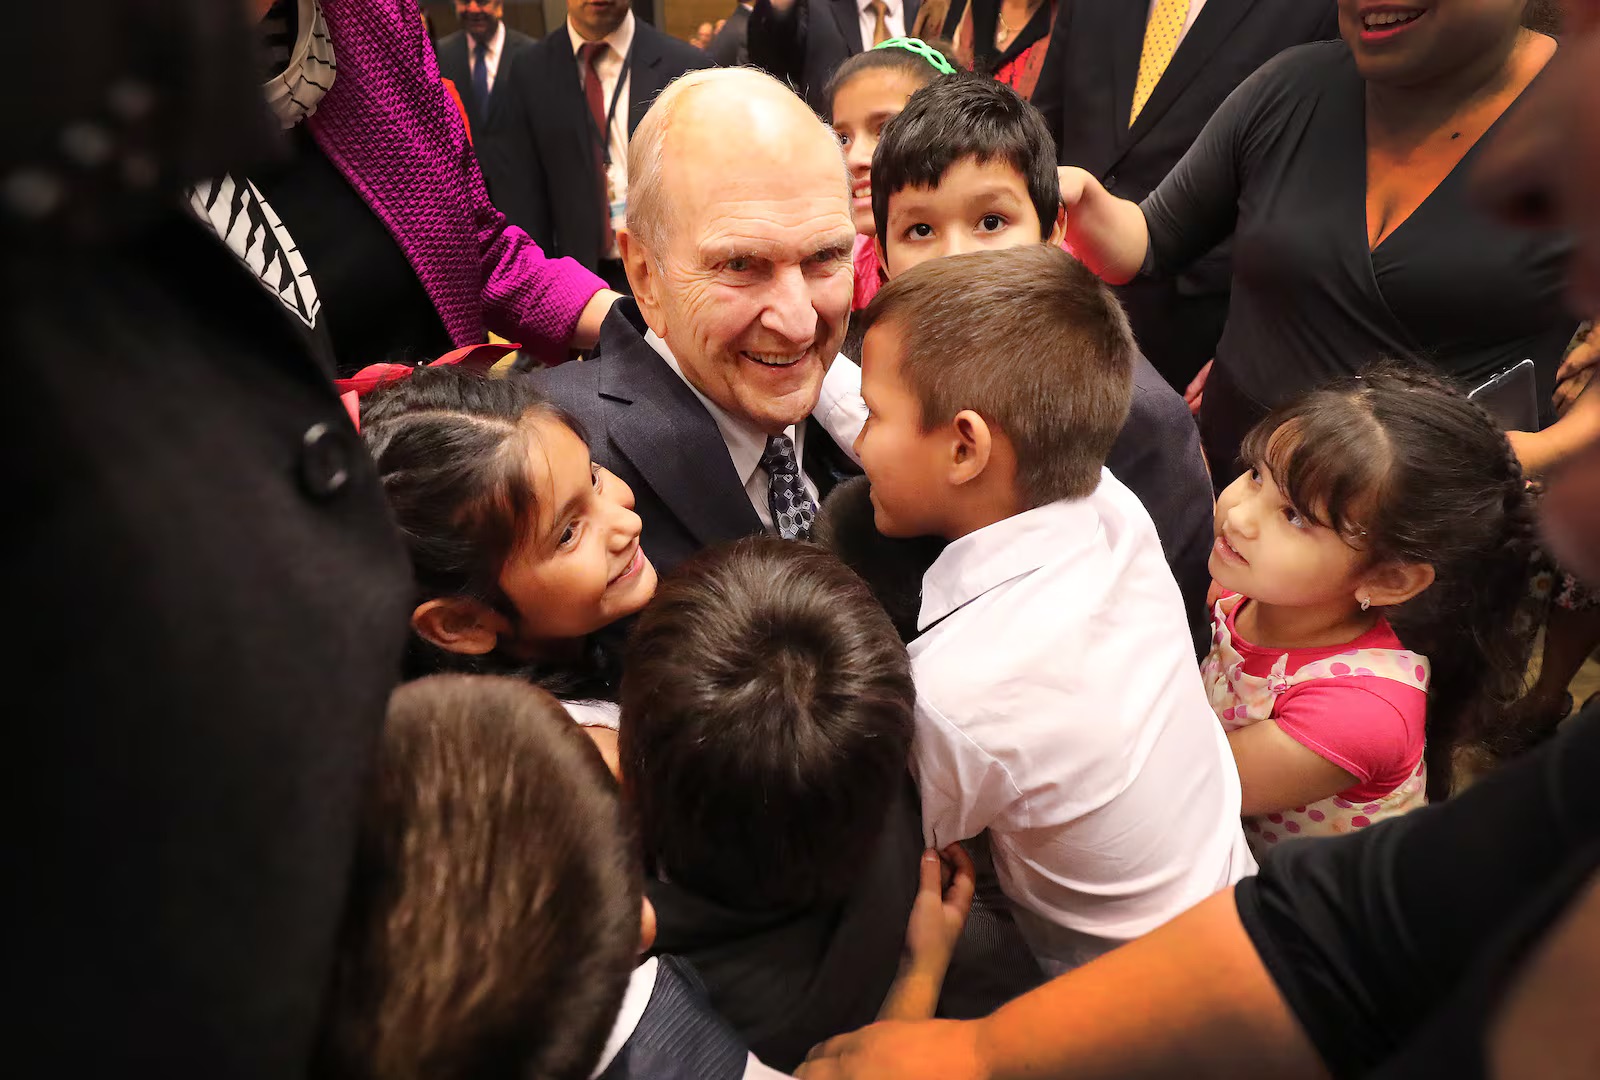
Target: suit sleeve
776, 41
1196, 206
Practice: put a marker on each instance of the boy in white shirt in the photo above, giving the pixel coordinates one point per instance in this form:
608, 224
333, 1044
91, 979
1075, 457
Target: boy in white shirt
1058, 702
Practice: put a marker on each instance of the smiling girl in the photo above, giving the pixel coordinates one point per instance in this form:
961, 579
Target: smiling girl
1367, 568
521, 547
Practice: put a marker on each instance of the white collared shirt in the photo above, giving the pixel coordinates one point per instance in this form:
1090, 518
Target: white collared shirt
745, 442
491, 57
1059, 706
895, 17
609, 65
1188, 22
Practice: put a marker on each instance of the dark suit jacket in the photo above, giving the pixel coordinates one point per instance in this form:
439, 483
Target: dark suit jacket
728, 48
678, 1037
539, 154
805, 45
646, 426
1085, 90
454, 65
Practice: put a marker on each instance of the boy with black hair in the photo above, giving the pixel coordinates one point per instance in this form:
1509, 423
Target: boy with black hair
968, 165
1058, 703
765, 733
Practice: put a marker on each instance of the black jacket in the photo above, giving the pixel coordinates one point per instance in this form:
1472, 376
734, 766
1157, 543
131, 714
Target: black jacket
1085, 89
455, 66
538, 155
646, 426
729, 48
805, 45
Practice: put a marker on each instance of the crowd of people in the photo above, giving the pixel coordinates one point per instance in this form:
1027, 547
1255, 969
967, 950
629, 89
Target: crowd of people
933, 584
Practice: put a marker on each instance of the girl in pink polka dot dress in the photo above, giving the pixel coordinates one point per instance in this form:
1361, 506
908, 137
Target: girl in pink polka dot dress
1366, 570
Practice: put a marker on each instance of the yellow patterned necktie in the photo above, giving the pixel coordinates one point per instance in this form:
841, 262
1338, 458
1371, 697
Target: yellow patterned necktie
1161, 36
880, 25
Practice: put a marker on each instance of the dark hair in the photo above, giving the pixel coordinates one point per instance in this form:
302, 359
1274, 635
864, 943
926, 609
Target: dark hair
1408, 470
451, 450
891, 567
900, 60
1029, 339
494, 915
766, 721
1543, 17
963, 116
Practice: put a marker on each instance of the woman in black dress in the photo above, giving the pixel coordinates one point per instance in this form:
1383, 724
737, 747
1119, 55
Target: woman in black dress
1342, 168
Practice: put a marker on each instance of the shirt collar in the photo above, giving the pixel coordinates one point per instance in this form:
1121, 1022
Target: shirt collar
620, 39
495, 43
746, 442
997, 553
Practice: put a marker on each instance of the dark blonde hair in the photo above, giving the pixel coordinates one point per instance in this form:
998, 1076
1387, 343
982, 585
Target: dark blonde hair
494, 915
1408, 470
1029, 339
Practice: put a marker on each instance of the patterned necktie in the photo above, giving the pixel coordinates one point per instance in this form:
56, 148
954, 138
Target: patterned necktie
480, 74
1161, 35
787, 497
592, 51
880, 25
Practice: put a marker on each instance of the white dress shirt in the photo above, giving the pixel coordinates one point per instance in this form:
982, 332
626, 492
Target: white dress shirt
895, 17
1059, 706
1194, 10
745, 442
609, 65
491, 58
641, 985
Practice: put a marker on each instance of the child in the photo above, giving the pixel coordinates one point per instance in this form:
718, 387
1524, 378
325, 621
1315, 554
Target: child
766, 721
1058, 704
867, 90
521, 548
891, 568
1386, 499
496, 913
968, 165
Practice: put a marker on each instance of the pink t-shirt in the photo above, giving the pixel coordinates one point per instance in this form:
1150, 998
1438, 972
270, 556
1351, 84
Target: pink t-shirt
868, 280
1369, 726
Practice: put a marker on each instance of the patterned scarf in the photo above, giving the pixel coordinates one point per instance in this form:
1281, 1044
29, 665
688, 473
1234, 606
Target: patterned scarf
305, 67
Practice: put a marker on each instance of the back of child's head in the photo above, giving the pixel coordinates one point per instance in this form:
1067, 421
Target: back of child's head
1408, 470
452, 451
766, 722
959, 117
910, 61
494, 917
892, 568
1029, 339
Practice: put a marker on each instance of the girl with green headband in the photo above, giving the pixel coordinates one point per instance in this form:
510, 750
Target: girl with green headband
866, 91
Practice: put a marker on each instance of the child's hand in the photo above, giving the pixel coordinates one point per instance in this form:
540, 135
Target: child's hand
943, 900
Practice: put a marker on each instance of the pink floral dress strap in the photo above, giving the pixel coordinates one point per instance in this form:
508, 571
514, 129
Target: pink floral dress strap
1240, 699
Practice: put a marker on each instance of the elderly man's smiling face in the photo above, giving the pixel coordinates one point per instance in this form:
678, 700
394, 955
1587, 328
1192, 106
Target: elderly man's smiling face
750, 281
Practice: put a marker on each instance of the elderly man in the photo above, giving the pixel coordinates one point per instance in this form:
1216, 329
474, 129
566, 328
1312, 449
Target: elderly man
708, 395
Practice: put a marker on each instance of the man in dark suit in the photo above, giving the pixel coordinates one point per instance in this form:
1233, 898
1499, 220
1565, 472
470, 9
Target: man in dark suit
728, 47
803, 42
478, 57
708, 394
546, 165
1098, 67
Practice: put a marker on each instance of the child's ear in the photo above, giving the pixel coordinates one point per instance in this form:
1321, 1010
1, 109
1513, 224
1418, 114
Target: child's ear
1059, 232
971, 448
460, 625
1394, 583
883, 256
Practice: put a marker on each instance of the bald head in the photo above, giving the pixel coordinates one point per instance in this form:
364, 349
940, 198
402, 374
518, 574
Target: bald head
727, 123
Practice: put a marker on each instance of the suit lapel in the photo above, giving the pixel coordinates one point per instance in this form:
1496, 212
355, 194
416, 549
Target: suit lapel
1125, 41
657, 423
1211, 28
848, 17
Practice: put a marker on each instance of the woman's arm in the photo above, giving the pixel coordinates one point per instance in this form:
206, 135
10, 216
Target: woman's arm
1191, 999
1106, 233
1541, 451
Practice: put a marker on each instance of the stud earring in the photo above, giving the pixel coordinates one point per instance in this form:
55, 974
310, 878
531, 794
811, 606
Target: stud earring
1366, 602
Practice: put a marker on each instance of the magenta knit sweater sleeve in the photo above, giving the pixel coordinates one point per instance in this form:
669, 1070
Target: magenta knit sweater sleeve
392, 129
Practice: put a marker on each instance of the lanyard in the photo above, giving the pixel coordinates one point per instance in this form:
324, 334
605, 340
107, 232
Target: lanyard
611, 113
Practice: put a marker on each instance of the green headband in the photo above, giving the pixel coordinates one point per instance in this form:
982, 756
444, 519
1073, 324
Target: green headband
921, 48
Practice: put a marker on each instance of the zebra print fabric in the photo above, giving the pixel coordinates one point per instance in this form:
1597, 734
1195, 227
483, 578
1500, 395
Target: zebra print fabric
247, 224
296, 90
